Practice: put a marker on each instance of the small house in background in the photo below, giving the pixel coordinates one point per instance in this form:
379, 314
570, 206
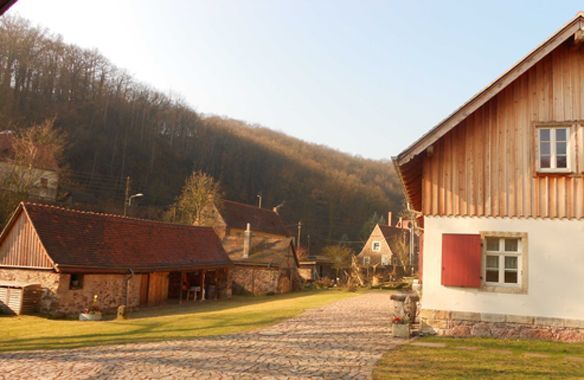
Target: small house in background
259, 245
381, 253
314, 268
44, 176
74, 255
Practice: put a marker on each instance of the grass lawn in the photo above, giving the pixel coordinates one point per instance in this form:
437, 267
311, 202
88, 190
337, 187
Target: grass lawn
173, 322
486, 358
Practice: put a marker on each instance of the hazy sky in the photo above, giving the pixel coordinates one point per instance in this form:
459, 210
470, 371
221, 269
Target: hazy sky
364, 76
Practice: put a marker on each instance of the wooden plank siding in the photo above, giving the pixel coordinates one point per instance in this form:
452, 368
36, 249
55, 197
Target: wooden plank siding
22, 247
157, 288
486, 165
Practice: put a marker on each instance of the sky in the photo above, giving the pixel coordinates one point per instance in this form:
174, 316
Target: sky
366, 77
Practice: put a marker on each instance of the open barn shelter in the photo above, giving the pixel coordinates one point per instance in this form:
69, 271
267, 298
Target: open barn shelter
76, 255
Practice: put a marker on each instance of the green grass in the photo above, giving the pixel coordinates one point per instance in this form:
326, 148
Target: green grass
494, 359
174, 322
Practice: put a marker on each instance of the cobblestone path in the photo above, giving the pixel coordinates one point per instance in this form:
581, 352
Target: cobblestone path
342, 340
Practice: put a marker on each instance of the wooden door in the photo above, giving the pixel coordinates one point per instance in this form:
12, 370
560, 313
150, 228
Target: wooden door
158, 288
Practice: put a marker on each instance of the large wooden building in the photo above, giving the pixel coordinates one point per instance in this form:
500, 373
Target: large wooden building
500, 184
75, 255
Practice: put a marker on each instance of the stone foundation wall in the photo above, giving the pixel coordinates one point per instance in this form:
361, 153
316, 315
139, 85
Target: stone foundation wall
465, 324
58, 300
109, 288
259, 280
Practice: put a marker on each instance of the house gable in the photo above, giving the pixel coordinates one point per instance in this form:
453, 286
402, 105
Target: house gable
481, 160
20, 245
385, 249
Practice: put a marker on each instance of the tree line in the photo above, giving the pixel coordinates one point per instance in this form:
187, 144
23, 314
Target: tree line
117, 127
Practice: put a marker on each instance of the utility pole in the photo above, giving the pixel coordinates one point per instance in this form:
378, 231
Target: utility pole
126, 195
259, 200
299, 232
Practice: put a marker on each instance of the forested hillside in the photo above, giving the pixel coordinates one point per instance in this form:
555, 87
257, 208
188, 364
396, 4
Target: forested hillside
117, 127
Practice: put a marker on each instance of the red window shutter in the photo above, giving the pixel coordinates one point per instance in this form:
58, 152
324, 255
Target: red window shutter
461, 260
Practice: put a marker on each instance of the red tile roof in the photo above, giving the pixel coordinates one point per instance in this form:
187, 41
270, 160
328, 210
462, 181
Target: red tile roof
237, 215
84, 240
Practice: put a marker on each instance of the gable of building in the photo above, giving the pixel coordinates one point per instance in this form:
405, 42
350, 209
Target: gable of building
480, 160
368, 254
20, 245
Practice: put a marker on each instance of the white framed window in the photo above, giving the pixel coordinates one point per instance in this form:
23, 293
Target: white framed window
504, 261
366, 260
554, 149
376, 246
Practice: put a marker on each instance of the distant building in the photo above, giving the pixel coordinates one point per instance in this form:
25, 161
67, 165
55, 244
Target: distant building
259, 244
44, 175
314, 268
73, 255
381, 251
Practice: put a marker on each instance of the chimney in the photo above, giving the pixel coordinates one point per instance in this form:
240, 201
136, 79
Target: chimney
389, 215
246, 241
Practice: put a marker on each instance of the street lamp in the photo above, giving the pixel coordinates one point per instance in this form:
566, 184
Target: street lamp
128, 201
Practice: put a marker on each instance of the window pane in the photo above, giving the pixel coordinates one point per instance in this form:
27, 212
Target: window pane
510, 262
561, 134
492, 244
492, 276
492, 262
561, 148
544, 134
511, 245
510, 277
561, 162
544, 148
544, 162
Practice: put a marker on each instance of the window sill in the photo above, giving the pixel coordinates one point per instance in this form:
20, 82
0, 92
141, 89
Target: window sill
503, 289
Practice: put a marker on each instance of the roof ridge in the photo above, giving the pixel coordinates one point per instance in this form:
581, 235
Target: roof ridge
114, 216
250, 206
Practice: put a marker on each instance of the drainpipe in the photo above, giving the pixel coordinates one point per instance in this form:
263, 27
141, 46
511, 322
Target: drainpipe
130, 276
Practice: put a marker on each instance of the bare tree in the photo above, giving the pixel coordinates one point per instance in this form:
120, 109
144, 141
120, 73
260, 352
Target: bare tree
198, 190
400, 247
339, 255
29, 153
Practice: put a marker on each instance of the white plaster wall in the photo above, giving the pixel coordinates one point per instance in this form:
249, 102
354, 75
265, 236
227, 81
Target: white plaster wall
555, 268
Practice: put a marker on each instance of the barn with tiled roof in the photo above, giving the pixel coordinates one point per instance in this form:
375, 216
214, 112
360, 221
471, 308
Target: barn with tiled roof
75, 255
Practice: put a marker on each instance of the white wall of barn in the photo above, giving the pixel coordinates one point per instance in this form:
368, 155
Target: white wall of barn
555, 269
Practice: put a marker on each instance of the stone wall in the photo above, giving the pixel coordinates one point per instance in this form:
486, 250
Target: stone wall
109, 288
58, 300
259, 280
464, 324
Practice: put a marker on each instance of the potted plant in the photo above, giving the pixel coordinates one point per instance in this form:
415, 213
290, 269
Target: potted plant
91, 313
400, 327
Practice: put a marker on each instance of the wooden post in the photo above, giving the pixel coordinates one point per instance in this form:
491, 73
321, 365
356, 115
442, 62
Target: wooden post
182, 281
203, 285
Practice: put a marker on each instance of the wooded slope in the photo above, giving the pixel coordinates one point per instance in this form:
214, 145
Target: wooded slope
117, 127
